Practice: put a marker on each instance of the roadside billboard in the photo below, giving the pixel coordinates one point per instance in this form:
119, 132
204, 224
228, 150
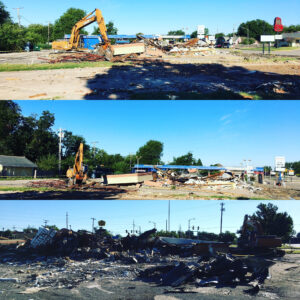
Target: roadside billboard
280, 163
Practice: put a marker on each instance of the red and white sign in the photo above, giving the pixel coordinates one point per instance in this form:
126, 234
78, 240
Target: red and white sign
278, 27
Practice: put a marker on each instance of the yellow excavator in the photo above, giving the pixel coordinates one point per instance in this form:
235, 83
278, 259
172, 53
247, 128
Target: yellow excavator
105, 48
78, 174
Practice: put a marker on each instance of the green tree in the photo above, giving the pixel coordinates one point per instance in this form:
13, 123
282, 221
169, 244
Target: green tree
52, 227
256, 29
66, 22
219, 35
12, 37
291, 28
176, 32
294, 166
44, 141
10, 117
71, 143
274, 222
267, 170
48, 163
151, 152
111, 29
187, 160
227, 237
121, 167
38, 34
4, 14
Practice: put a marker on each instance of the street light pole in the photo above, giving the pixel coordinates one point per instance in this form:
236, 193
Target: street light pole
190, 226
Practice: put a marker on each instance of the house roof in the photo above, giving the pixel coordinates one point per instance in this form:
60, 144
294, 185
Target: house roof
16, 161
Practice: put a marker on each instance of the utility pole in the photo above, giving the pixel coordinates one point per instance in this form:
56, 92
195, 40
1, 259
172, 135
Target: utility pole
94, 148
49, 37
140, 230
133, 227
61, 136
169, 216
138, 162
67, 220
166, 225
19, 16
46, 222
93, 224
222, 210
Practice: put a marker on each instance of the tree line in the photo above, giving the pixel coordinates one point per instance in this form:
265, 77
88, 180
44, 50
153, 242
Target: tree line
34, 137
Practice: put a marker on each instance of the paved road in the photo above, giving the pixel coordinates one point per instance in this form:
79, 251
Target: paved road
19, 183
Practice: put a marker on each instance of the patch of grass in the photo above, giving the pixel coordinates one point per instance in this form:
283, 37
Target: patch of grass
292, 251
35, 67
267, 49
289, 247
251, 96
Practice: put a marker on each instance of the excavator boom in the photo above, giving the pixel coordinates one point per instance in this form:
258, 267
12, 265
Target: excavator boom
73, 43
77, 173
105, 49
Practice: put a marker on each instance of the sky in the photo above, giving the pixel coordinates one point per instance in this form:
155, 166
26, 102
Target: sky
119, 215
226, 132
161, 16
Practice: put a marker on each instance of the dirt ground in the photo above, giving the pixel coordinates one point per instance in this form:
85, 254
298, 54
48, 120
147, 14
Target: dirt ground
93, 279
142, 192
211, 74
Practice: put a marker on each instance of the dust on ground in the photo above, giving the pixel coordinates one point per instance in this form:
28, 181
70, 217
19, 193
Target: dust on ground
204, 75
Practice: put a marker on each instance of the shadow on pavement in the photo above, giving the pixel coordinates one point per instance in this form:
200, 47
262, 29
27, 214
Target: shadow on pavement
63, 195
159, 80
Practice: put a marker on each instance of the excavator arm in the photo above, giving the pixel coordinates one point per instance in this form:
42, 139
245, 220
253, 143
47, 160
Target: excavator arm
77, 173
105, 49
73, 43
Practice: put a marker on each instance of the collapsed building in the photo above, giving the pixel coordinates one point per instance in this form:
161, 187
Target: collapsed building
73, 257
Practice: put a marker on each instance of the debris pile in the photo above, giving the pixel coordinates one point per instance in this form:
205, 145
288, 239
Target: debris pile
63, 185
221, 270
193, 179
65, 258
74, 57
277, 87
59, 184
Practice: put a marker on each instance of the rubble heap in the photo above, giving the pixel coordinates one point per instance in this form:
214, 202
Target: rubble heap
65, 258
219, 270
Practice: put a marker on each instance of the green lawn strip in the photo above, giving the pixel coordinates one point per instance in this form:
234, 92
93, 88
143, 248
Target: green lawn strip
35, 67
292, 251
272, 49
